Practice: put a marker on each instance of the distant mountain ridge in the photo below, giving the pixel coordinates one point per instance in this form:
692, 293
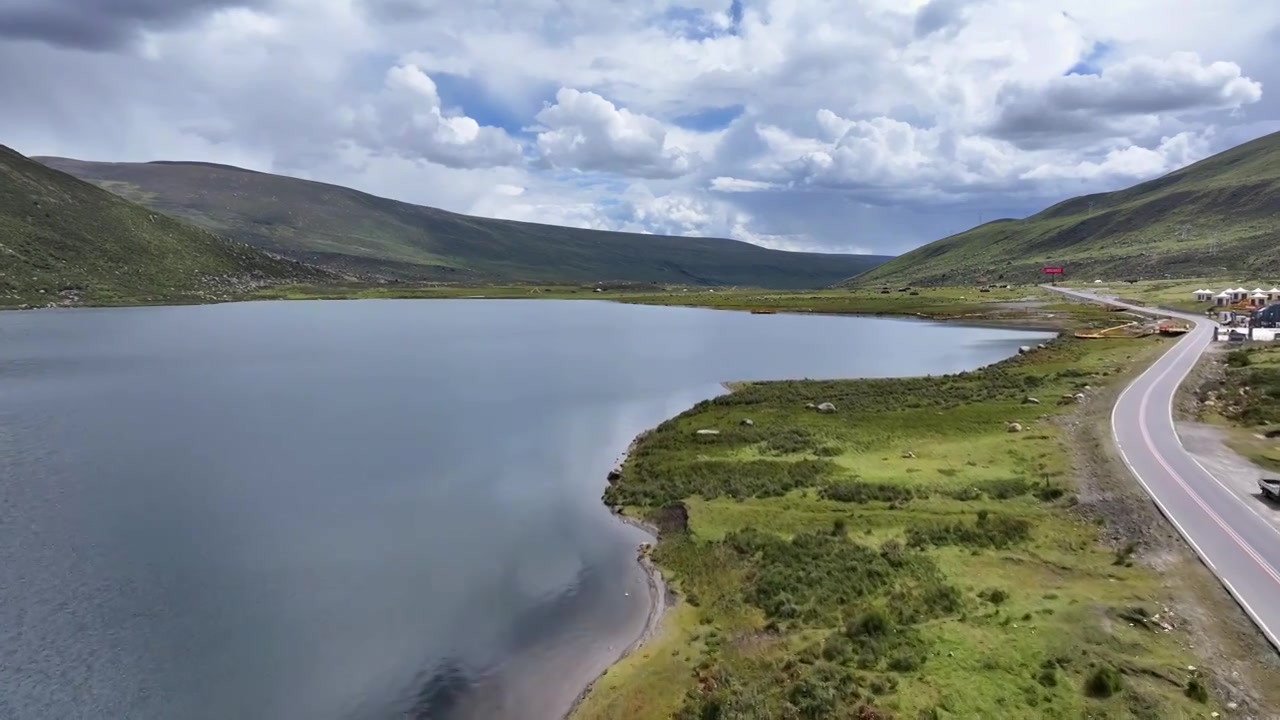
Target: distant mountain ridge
355, 232
63, 241
1217, 216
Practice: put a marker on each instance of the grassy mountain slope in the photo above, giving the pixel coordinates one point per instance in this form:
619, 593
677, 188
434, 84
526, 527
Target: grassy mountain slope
342, 228
62, 239
1226, 207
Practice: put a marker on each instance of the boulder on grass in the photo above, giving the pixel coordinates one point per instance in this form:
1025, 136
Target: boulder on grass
826, 408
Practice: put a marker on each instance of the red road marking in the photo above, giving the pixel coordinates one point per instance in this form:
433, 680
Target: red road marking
1146, 436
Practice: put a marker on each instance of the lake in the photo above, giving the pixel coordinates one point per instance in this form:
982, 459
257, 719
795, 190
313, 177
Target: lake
356, 509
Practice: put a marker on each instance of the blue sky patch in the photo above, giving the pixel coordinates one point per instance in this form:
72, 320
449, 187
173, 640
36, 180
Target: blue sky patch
709, 119
1088, 63
697, 24
474, 99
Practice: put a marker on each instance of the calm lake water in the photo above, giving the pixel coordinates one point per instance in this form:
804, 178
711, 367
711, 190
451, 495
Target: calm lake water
376, 509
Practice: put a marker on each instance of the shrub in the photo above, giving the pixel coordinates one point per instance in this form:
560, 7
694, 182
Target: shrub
1239, 358
995, 596
1197, 691
990, 531
1005, 488
1048, 676
815, 578
862, 492
1049, 493
1103, 683
791, 441
1124, 555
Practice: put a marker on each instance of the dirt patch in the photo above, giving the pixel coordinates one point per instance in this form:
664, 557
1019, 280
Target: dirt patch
1107, 492
1238, 662
1208, 444
1208, 376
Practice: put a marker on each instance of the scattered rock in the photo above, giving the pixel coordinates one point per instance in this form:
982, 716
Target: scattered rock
707, 432
1079, 397
1024, 349
614, 475
908, 455
826, 408
810, 406
747, 422
1013, 427
1030, 401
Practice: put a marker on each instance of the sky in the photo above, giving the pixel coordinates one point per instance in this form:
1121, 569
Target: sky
821, 125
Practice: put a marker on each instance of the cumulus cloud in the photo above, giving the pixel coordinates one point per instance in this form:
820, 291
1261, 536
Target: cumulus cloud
101, 24
1130, 162
1138, 86
406, 119
724, 183
584, 131
870, 123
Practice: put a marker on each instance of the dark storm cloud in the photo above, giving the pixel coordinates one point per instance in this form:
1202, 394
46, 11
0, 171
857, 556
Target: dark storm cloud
100, 24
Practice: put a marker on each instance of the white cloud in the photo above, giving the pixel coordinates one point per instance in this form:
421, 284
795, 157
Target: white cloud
723, 183
1130, 162
1138, 86
583, 131
406, 119
863, 123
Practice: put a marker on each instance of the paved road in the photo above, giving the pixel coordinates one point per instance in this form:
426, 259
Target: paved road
1237, 544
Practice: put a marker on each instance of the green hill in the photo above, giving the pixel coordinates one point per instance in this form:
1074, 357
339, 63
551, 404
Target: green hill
63, 240
1217, 216
344, 229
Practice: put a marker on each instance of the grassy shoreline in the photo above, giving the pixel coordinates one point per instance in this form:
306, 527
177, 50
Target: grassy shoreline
907, 556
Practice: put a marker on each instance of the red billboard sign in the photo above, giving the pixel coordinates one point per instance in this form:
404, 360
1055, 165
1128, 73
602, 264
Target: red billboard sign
1053, 271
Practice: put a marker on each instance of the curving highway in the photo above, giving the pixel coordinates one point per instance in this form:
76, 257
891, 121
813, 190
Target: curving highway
1237, 543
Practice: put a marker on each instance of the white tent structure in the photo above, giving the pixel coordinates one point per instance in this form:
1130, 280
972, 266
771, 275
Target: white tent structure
1258, 299
1223, 298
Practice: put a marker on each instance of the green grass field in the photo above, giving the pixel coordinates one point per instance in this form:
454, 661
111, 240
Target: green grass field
907, 556
1247, 402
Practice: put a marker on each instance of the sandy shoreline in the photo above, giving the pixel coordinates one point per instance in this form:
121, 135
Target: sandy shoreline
660, 598
657, 590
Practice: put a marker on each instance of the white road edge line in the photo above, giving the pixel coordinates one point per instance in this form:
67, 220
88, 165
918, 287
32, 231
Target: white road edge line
1257, 620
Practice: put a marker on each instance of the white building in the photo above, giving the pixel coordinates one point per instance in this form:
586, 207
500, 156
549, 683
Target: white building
1203, 295
1273, 295
1223, 298
1238, 294
1258, 299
